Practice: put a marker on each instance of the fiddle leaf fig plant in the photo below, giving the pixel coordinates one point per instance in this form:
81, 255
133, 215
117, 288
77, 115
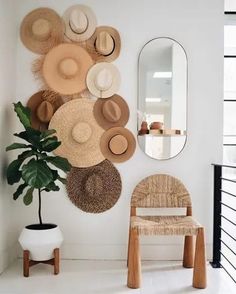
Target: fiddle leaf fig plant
33, 168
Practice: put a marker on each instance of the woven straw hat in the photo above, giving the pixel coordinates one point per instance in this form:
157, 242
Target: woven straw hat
117, 144
42, 110
111, 112
105, 44
103, 80
80, 23
94, 189
78, 132
41, 30
65, 68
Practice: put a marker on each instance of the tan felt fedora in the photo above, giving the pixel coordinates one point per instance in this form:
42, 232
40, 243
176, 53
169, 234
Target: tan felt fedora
117, 144
103, 80
65, 68
80, 23
78, 132
94, 189
111, 112
42, 110
41, 30
105, 44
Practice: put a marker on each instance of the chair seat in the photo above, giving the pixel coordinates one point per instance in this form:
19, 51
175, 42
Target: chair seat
165, 225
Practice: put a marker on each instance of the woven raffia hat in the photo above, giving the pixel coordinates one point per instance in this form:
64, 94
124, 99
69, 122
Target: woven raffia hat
65, 68
80, 23
41, 30
78, 132
42, 110
103, 80
111, 112
117, 144
94, 189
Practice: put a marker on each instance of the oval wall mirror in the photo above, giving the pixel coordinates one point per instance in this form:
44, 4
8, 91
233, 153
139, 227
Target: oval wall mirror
162, 98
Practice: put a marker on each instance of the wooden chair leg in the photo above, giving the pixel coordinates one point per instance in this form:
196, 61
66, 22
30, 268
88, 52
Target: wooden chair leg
26, 262
128, 247
188, 252
199, 272
56, 261
134, 266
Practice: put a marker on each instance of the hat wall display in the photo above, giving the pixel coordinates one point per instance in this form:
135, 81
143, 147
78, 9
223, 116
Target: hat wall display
80, 23
65, 68
111, 112
94, 189
103, 80
41, 30
78, 132
42, 110
117, 144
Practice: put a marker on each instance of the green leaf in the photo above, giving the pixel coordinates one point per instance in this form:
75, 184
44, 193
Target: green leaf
26, 154
32, 136
50, 144
19, 191
47, 133
62, 180
59, 162
37, 174
23, 113
52, 187
28, 198
13, 172
16, 146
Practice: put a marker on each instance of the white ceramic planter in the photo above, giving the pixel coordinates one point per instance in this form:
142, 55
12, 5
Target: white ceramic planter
40, 243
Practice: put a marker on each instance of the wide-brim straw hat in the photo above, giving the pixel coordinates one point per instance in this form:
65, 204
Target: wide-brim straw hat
111, 112
42, 110
94, 189
80, 23
105, 44
117, 144
103, 80
78, 132
65, 68
42, 29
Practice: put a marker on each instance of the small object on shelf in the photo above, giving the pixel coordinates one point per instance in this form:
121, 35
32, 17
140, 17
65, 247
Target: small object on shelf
144, 128
167, 132
156, 125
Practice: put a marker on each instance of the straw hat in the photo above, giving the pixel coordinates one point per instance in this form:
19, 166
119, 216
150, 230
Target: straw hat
105, 44
111, 112
117, 144
94, 189
65, 68
42, 110
41, 30
103, 80
78, 132
80, 23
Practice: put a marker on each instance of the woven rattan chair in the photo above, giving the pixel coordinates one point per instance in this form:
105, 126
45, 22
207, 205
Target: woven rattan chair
164, 191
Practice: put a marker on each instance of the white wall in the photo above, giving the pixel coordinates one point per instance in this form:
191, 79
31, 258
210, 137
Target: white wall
198, 26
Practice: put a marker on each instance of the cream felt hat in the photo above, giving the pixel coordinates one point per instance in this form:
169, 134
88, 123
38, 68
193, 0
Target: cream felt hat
103, 79
78, 132
111, 112
117, 144
80, 23
65, 68
41, 29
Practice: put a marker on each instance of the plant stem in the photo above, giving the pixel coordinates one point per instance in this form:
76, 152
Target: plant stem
39, 211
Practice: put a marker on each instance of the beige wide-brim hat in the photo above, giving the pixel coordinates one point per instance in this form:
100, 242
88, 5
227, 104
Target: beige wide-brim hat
80, 23
94, 189
65, 68
111, 112
117, 144
41, 30
103, 80
42, 110
105, 44
78, 132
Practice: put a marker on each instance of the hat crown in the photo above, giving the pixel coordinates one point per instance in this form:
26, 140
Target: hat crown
118, 144
104, 43
103, 79
81, 132
78, 21
68, 68
41, 29
44, 111
111, 111
94, 185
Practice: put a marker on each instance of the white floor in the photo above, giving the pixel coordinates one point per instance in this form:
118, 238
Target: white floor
108, 277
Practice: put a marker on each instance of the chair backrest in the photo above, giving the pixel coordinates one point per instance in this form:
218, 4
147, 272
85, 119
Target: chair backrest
160, 190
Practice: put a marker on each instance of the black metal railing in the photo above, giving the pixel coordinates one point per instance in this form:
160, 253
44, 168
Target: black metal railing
219, 218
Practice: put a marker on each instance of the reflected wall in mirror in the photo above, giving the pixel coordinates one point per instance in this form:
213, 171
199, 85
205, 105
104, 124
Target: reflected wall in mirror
162, 98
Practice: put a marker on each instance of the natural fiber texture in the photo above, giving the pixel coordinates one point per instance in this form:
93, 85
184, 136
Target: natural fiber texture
94, 189
165, 225
160, 191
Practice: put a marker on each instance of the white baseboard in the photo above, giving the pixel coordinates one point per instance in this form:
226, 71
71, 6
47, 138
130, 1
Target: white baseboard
7, 256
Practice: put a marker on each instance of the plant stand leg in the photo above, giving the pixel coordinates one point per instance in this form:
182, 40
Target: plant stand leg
128, 247
56, 261
26, 262
188, 252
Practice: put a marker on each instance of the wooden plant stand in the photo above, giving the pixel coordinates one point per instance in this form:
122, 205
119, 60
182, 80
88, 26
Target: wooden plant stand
27, 262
